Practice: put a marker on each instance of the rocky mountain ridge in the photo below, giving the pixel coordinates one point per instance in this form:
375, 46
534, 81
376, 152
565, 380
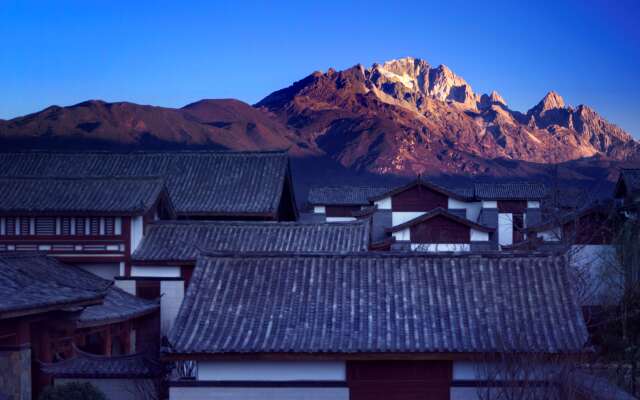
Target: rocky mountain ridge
407, 117
403, 117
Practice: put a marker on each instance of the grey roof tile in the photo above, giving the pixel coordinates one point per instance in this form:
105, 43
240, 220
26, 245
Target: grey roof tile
79, 195
343, 195
29, 282
198, 182
510, 191
117, 306
86, 365
368, 302
184, 240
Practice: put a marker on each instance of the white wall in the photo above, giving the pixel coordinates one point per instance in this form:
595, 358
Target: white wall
172, 294
400, 217
505, 229
533, 204
472, 209
402, 235
253, 393
552, 235
103, 270
128, 286
489, 204
319, 210
137, 230
272, 371
479, 236
340, 219
155, 272
436, 247
383, 204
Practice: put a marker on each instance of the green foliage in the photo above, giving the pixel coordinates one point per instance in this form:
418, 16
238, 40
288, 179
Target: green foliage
72, 391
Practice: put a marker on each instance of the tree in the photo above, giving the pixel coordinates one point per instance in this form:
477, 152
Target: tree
72, 391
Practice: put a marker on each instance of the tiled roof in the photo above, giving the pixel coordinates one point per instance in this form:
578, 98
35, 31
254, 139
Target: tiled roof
29, 282
85, 365
440, 212
510, 191
118, 306
372, 302
79, 195
478, 191
343, 195
212, 183
184, 240
461, 193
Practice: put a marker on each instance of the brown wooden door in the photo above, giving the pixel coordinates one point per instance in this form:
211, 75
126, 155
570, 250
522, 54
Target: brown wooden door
399, 380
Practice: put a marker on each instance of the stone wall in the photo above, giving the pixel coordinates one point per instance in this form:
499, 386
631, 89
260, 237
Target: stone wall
15, 374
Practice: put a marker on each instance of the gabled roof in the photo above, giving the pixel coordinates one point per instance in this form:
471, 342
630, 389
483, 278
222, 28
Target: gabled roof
377, 303
104, 195
629, 181
86, 365
459, 193
478, 191
32, 283
199, 182
343, 195
439, 212
510, 191
184, 240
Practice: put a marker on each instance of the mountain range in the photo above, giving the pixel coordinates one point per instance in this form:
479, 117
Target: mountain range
402, 118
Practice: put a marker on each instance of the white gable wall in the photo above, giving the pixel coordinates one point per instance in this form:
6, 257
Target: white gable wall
383, 204
402, 235
472, 209
400, 217
319, 209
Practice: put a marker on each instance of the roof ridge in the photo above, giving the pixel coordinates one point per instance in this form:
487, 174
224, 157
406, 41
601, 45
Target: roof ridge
377, 254
248, 223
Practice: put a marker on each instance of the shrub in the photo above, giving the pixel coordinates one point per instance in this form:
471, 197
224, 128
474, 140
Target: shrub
72, 391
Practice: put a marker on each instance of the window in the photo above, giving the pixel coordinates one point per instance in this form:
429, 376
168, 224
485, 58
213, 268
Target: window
45, 226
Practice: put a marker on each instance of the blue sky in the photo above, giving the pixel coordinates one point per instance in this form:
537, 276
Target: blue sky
173, 53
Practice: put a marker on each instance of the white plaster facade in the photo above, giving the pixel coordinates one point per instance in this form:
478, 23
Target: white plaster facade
472, 209
155, 271
272, 371
505, 229
137, 231
253, 393
172, 294
400, 217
